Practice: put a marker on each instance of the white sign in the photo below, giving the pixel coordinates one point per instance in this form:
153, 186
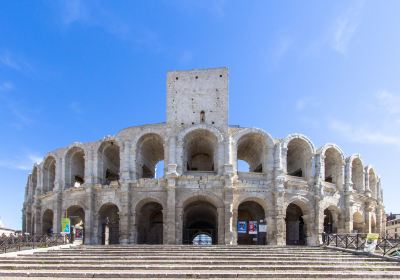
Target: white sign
262, 228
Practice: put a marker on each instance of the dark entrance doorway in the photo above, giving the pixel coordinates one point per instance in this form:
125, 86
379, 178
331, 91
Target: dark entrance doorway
200, 217
328, 222
109, 224
295, 227
76, 214
251, 211
47, 222
150, 224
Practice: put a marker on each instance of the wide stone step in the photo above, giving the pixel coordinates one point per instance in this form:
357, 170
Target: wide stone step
198, 267
295, 274
190, 262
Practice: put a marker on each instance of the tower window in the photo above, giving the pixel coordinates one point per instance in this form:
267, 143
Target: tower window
202, 116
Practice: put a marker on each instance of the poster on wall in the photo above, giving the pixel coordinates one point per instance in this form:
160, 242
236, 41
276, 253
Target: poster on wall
242, 227
253, 227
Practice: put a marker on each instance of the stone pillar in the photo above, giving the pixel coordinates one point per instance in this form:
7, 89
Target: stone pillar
234, 226
230, 224
125, 165
269, 218
57, 212
38, 219
221, 225
179, 224
123, 226
367, 219
170, 217
90, 218
318, 228
280, 213
133, 228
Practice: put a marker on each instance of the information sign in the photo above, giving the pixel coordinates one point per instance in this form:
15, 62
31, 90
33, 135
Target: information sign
65, 225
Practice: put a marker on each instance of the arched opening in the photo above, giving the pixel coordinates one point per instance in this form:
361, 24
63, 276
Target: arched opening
251, 224
357, 174
358, 223
200, 217
333, 166
295, 226
76, 214
372, 182
200, 151
251, 149
49, 174
150, 224
109, 224
75, 167
202, 239
47, 222
299, 157
34, 181
109, 162
329, 223
150, 151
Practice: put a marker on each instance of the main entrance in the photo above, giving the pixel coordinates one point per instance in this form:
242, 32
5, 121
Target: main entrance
200, 223
295, 227
251, 213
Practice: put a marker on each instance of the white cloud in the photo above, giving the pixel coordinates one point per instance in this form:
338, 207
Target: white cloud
382, 129
306, 103
25, 162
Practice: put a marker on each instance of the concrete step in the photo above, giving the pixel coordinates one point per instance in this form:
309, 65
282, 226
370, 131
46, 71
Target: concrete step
295, 274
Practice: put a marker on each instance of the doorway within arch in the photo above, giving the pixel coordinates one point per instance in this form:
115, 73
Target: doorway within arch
251, 214
295, 227
200, 217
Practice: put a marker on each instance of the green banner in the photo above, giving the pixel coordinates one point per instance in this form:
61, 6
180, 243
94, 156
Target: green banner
65, 225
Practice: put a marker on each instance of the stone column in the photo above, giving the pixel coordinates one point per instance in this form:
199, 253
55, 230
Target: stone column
133, 228
179, 224
269, 218
221, 225
123, 226
125, 165
38, 219
90, 230
57, 212
280, 212
170, 217
234, 226
230, 224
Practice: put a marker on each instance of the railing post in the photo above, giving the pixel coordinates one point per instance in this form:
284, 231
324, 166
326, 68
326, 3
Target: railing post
347, 240
336, 240
357, 241
384, 246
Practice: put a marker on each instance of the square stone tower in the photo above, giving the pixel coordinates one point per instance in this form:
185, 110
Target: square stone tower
197, 96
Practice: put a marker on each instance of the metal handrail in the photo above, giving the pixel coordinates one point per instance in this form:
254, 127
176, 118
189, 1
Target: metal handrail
386, 246
18, 242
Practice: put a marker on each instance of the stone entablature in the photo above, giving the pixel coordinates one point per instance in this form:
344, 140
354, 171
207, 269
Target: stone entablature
287, 177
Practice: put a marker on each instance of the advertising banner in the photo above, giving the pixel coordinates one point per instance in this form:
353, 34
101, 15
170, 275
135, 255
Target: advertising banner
253, 229
242, 227
65, 225
262, 228
371, 242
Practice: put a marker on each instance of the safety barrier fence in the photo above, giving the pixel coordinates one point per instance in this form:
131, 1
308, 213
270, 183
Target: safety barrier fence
385, 246
25, 241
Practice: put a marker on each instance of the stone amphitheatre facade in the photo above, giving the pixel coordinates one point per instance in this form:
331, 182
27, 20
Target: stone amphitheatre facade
109, 186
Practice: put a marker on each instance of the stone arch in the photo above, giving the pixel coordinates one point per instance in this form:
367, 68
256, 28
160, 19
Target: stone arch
149, 221
109, 224
332, 219
210, 152
250, 210
49, 173
372, 181
253, 146
149, 151
358, 222
299, 155
203, 196
76, 214
357, 172
74, 166
333, 162
298, 221
34, 180
47, 222
109, 161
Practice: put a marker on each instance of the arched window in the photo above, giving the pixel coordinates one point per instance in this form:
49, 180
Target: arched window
299, 157
49, 174
75, 167
149, 154
109, 162
200, 151
333, 166
34, 181
250, 148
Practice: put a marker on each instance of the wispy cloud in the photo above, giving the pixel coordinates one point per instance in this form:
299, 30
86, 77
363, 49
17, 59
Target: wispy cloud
382, 129
93, 14
14, 62
24, 162
340, 32
306, 103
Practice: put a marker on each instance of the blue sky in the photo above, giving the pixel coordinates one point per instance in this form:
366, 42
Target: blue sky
79, 70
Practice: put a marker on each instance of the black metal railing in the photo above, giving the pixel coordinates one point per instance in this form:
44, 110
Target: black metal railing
18, 242
386, 246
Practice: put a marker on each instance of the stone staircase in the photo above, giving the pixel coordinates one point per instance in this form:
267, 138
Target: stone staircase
174, 261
